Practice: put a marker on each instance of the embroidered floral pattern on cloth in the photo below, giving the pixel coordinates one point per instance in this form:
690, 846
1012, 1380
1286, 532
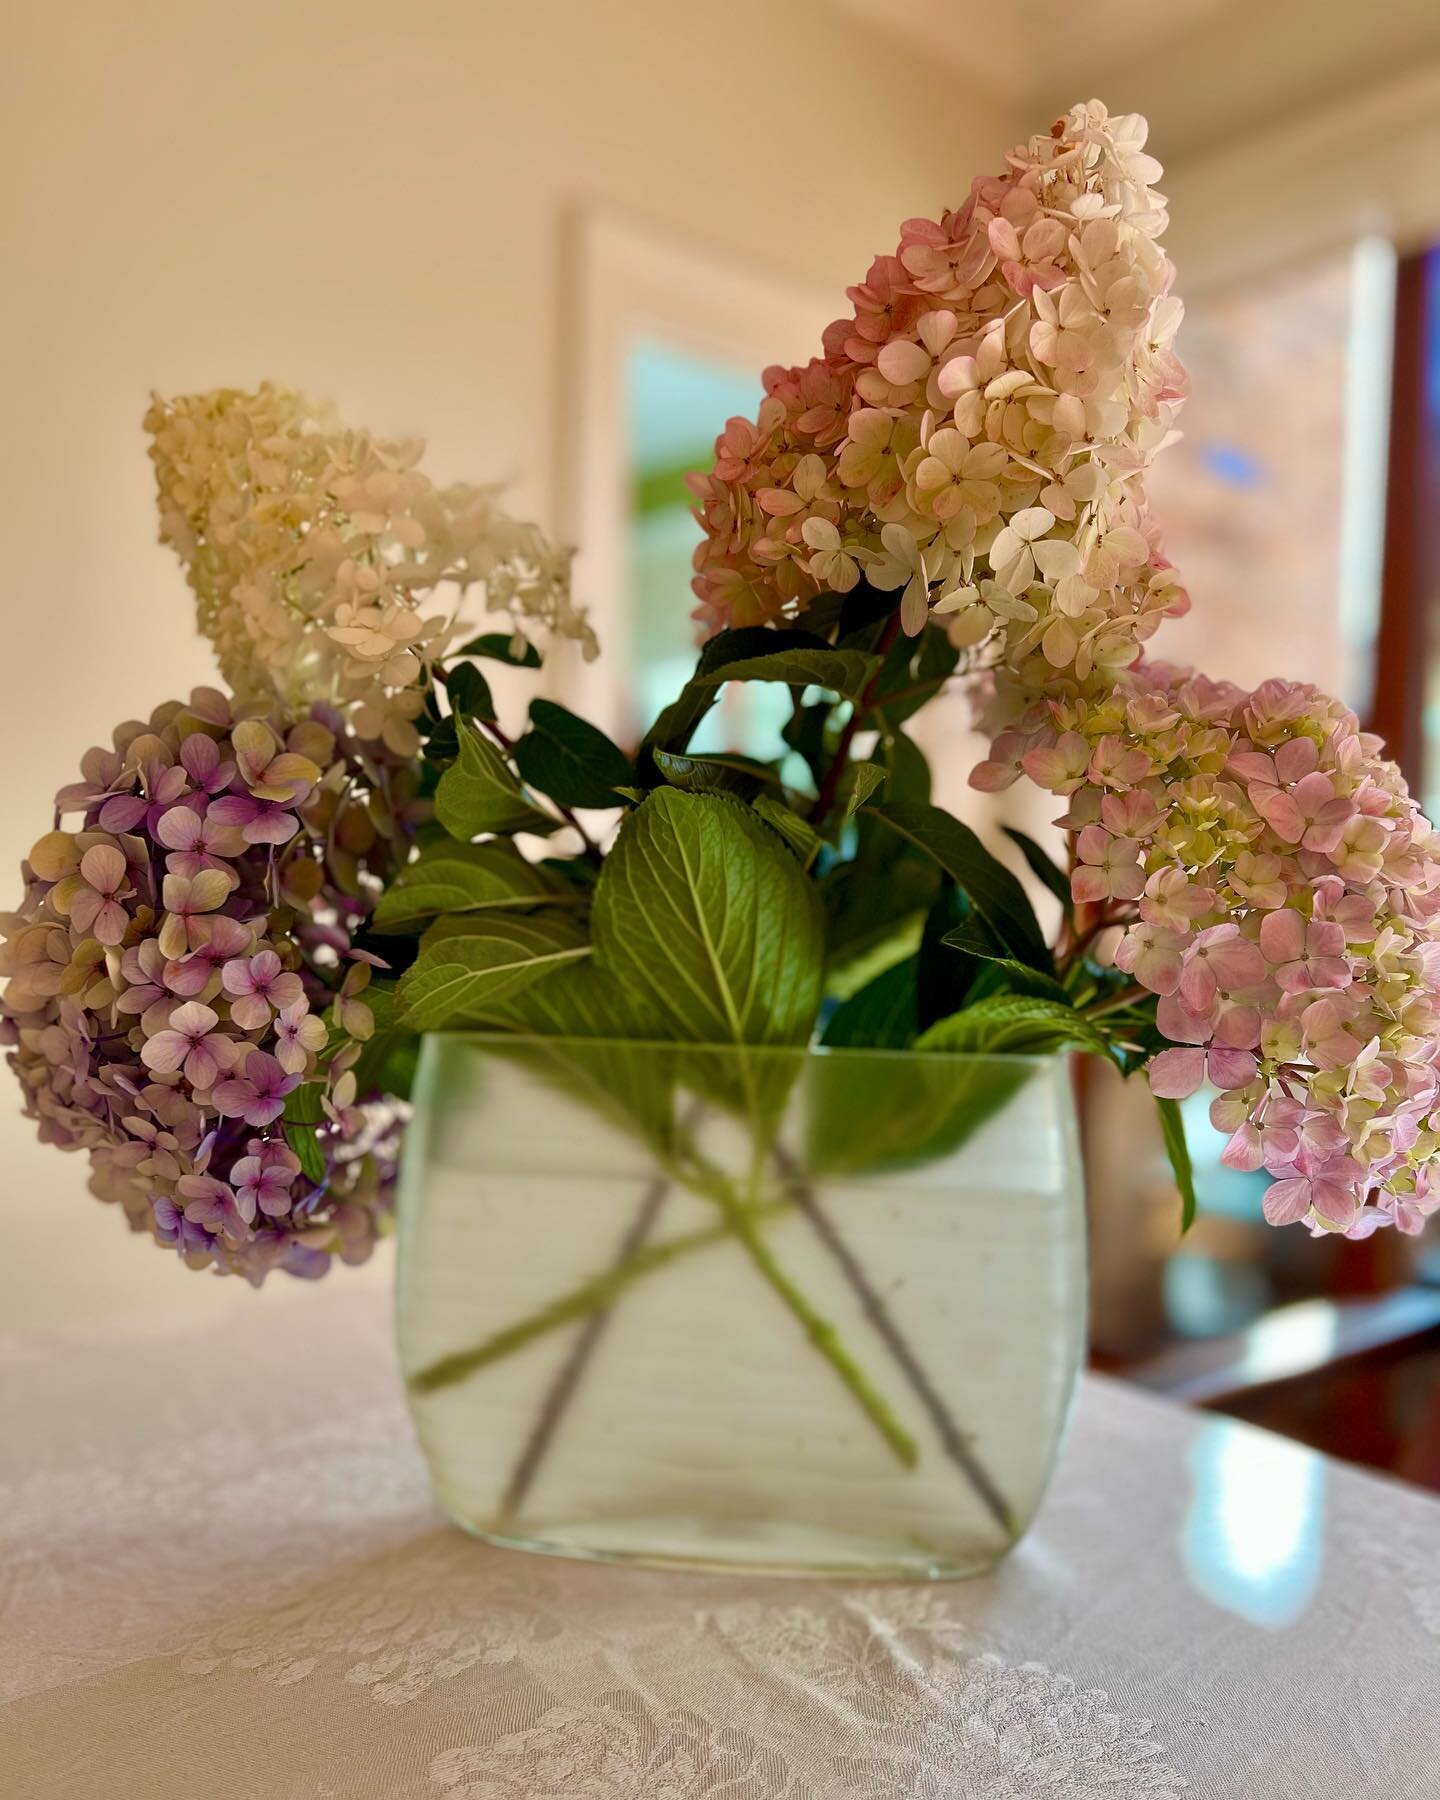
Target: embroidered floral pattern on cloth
378, 1655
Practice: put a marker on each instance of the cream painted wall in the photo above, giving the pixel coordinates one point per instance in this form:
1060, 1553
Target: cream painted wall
364, 200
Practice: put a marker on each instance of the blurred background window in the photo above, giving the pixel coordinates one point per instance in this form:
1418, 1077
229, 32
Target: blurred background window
1273, 501
676, 400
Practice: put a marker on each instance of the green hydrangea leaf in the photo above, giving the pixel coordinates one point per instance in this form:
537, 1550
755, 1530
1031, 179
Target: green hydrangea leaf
1013, 1025
499, 646
387, 1062
996, 893
303, 1112
709, 924
570, 759
975, 939
553, 1017
469, 691
736, 775
797, 832
928, 1114
843, 672
908, 770
1172, 1127
883, 1015
480, 795
448, 877
883, 892
860, 782
914, 672
481, 960
676, 724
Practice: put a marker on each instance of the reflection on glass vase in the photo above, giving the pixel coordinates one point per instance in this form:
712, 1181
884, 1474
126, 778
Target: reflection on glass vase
806, 1311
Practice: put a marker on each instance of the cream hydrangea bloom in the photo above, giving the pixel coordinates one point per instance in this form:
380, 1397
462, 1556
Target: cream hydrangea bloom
317, 554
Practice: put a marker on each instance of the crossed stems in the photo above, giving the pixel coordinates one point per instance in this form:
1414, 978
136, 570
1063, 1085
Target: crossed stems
742, 1217
593, 1300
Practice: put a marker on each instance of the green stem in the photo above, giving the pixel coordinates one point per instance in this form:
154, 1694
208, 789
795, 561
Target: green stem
821, 1333
591, 1296
955, 1442
602, 1291
571, 1372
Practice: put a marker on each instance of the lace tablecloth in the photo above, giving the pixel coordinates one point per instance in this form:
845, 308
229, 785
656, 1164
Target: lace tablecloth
221, 1576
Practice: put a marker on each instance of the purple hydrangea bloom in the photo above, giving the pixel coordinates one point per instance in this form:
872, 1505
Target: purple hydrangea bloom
159, 1020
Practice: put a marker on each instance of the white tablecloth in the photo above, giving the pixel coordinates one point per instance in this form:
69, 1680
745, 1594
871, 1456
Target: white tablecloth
221, 1576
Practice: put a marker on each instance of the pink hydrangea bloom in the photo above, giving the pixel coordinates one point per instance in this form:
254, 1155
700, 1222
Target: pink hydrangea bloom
971, 434
1296, 958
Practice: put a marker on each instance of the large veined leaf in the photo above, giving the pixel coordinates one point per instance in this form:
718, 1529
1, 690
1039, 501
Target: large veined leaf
882, 1015
479, 794
676, 725
996, 894
844, 672
709, 923
797, 831
570, 759
738, 775
458, 973
1014, 1025
974, 939
448, 877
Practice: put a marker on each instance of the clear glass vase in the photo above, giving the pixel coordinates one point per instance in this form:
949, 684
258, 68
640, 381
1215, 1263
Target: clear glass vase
808, 1311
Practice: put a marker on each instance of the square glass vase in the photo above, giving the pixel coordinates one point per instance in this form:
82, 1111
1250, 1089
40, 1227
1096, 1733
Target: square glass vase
801, 1311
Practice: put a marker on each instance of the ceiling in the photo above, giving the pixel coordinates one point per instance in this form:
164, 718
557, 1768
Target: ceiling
1033, 46
1201, 70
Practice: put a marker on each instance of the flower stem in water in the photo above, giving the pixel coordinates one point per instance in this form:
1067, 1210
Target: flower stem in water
956, 1443
562, 1389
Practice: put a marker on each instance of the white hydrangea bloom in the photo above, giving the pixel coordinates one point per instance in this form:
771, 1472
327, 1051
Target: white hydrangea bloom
327, 566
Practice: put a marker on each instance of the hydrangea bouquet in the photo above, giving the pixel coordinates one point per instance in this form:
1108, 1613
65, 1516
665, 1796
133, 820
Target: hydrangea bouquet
252, 906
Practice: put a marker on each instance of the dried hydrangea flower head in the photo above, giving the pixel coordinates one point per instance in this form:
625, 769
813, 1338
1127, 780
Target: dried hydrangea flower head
325, 563
976, 433
181, 965
1279, 891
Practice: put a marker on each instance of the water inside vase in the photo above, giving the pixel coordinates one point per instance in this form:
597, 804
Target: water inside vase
869, 1377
